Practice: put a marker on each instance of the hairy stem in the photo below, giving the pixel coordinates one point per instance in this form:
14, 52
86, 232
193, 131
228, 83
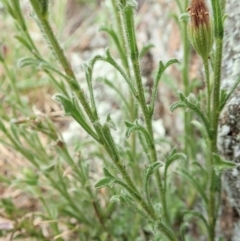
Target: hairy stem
207, 77
134, 55
215, 118
218, 32
58, 52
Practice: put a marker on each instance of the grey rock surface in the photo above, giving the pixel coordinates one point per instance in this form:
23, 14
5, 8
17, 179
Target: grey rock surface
229, 125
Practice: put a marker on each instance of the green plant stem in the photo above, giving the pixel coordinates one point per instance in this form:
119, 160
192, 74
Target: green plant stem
99, 216
130, 187
124, 44
213, 142
134, 56
188, 130
44, 24
185, 59
219, 33
207, 77
62, 189
147, 195
23, 26
182, 5
138, 198
133, 109
216, 89
58, 52
163, 228
122, 36
133, 116
179, 6
167, 232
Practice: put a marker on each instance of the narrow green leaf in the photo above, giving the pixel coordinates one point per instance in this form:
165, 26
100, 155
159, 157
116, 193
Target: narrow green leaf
95, 59
137, 127
148, 172
110, 123
200, 127
195, 183
103, 182
24, 42
107, 173
66, 103
145, 49
129, 124
194, 107
181, 96
199, 166
112, 62
115, 198
71, 109
184, 17
48, 169
221, 165
144, 144
130, 130
113, 34
25, 61
175, 17
161, 69
113, 86
152, 168
9, 9
88, 69
43, 65
44, 7
177, 105
2, 127
128, 200
192, 99
224, 97
225, 16
194, 214
171, 159
111, 143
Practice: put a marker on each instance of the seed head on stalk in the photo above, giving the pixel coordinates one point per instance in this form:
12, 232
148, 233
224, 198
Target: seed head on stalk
200, 28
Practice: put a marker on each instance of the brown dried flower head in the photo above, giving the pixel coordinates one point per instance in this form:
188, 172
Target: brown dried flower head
199, 13
200, 29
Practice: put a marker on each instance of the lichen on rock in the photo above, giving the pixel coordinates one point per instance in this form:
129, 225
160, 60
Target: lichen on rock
229, 124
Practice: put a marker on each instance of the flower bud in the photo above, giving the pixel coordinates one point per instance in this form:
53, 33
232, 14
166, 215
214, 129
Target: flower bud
200, 28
